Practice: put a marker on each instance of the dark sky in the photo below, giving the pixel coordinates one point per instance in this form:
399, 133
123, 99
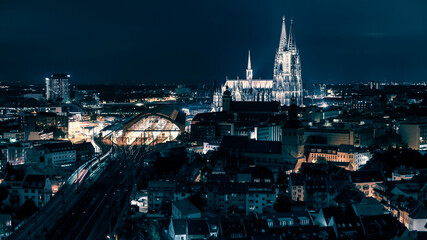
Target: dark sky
192, 41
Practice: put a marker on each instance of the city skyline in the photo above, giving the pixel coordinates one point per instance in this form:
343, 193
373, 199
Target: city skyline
193, 42
280, 119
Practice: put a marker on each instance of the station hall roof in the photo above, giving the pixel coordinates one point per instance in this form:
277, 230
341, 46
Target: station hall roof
169, 112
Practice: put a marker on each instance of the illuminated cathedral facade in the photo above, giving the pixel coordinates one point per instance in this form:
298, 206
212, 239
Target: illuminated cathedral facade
285, 86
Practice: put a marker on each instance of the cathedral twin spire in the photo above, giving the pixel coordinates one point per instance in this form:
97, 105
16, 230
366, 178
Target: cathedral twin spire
286, 85
287, 68
287, 43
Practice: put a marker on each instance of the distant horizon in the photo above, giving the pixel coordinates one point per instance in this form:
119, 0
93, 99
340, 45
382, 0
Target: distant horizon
208, 85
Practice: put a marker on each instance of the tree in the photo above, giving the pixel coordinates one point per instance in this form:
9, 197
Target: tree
3, 193
57, 133
282, 181
27, 209
9, 167
396, 157
321, 160
153, 232
383, 99
171, 164
283, 203
388, 139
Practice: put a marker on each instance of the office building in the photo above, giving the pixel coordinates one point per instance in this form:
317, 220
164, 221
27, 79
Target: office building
58, 88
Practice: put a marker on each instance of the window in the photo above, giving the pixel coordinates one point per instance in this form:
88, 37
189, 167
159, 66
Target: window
303, 220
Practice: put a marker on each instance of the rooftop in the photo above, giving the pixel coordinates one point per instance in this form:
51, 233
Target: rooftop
255, 106
34, 181
186, 207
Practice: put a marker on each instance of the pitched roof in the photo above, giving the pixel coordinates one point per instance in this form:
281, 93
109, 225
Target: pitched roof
251, 146
198, 227
271, 147
296, 216
153, 185
58, 147
255, 106
186, 207
367, 176
34, 181
213, 116
419, 213
179, 226
16, 175
234, 142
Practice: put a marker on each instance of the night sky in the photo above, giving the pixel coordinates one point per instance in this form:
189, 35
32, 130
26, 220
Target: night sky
150, 41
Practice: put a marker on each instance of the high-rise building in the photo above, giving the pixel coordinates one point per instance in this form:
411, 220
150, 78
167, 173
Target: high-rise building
285, 85
414, 134
58, 88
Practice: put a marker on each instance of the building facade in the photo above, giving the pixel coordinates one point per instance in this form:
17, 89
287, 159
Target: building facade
355, 157
37, 188
160, 194
58, 88
62, 154
285, 85
414, 134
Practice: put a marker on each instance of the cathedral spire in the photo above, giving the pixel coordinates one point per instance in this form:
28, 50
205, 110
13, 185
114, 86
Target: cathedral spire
291, 41
249, 69
249, 59
282, 44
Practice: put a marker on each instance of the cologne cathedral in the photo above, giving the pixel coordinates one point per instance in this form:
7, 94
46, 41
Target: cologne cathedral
285, 86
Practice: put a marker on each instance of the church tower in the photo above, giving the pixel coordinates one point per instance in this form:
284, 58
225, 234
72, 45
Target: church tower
226, 100
249, 71
287, 69
293, 138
